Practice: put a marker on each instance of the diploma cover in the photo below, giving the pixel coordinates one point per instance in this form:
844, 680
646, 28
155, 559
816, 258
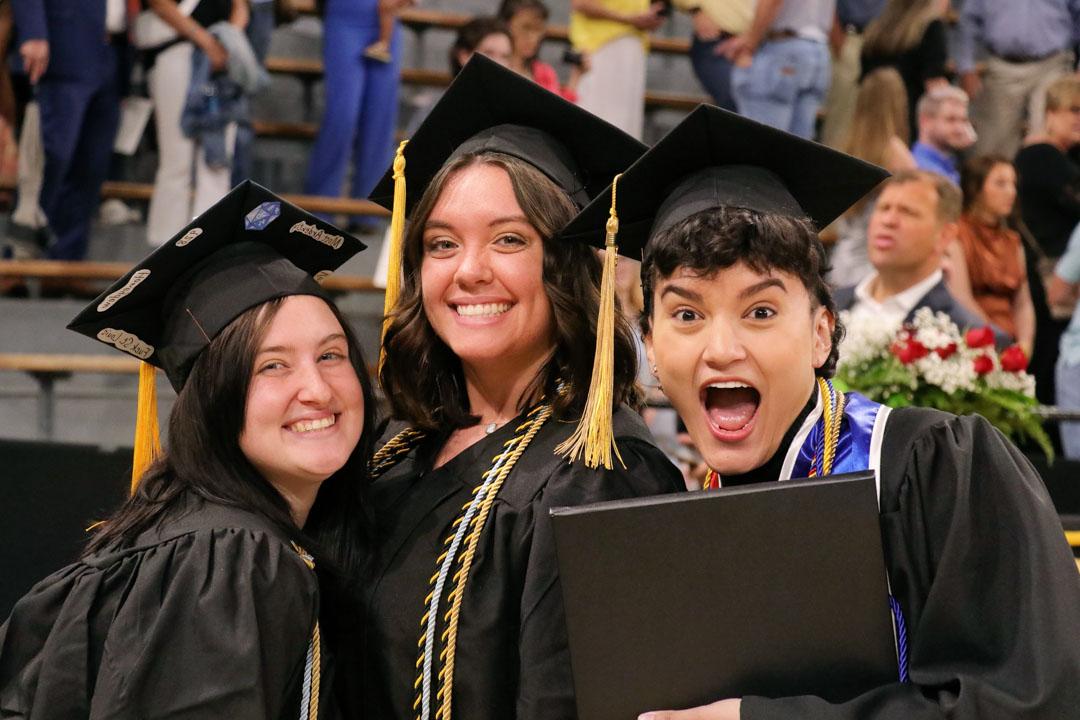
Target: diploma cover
773, 589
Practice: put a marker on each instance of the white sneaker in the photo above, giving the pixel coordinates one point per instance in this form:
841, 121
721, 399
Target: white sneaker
115, 212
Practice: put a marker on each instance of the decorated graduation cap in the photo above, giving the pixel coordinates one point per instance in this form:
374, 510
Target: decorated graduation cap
489, 108
250, 247
712, 159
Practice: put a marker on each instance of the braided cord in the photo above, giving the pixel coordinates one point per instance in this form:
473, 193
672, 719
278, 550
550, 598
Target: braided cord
309, 692
395, 448
901, 638
462, 576
474, 516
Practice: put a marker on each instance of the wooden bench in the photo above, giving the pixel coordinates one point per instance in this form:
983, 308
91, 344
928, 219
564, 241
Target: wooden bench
312, 70
46, 369
311, 203
111, 271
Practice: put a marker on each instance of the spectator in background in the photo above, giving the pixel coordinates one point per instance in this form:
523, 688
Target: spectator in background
944, 131
989, 265
846, 42
1064, 292
615, 34
1029, 46
185, 184
526, 21
912, 224
76, 54
361, 98
1049, 191
910, 36
259, 30
879, 134
782, 65
715, 21
485, 35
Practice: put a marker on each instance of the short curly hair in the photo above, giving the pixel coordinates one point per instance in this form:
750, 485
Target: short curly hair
718, 238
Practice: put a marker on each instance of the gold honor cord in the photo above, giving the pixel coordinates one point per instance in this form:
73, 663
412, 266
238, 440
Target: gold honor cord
832, 414
594, 436
464, 532
393, 451
309, 692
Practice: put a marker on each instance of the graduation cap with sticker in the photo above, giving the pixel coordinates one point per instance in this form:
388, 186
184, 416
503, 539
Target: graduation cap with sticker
715, 158
250, 247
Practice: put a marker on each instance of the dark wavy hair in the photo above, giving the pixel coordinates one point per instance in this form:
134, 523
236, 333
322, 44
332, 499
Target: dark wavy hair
716, 239
422, 377
204, 458
471, 34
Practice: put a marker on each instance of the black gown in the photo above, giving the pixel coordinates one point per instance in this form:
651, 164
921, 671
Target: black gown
989, 590
210, 616
512, 659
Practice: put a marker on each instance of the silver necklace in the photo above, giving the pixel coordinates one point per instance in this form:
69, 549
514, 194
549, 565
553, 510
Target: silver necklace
490, 428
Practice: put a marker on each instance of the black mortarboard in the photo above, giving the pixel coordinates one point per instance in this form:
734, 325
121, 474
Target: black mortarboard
715, 158
250, 247
489, 107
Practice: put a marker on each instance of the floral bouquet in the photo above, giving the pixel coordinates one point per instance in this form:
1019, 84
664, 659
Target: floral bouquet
931, 364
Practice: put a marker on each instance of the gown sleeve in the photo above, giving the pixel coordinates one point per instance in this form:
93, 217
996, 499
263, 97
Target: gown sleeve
546, 686
214, 623
988, 587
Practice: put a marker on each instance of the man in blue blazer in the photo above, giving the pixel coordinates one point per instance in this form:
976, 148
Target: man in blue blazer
76, 55
912, 223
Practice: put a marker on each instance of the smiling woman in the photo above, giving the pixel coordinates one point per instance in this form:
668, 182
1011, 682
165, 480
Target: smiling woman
489, 360
206, 593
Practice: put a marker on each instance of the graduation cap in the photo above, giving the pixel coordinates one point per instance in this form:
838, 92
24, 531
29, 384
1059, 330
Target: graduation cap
715, 158
250, 247
712, 159
494, 109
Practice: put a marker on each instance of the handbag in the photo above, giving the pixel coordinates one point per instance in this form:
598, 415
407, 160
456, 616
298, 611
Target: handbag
150, 31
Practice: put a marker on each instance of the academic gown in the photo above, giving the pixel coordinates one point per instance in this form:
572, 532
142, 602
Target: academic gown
977, 558
209, 616
512, 658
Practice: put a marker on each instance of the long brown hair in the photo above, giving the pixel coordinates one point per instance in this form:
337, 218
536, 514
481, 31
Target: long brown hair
881, 113
204, 459
900, 26
422, 377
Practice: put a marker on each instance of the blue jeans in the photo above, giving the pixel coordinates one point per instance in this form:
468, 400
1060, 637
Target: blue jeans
713, 72
260, 28
1067, 389
785, 85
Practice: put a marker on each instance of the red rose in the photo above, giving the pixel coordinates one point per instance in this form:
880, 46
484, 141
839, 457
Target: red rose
979, 337
983, 364
1013, 359
946, 352
907, 350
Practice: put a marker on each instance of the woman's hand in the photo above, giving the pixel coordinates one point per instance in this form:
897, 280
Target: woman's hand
704, 28
215, 51
649, 20
724, 710
35, 57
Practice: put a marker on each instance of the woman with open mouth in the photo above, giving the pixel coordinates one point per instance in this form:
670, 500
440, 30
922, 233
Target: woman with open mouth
489, 356
742, 331
212, 592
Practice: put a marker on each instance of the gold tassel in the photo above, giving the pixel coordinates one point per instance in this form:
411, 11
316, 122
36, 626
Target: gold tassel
147, 443
397, 230
594, 434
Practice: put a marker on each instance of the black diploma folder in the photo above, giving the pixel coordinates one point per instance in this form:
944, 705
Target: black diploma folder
774, 589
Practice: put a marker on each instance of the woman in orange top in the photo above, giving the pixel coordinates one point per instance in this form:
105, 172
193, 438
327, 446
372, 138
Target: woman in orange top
996, 273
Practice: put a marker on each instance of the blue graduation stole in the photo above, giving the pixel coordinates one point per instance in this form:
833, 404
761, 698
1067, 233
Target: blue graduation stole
845, 437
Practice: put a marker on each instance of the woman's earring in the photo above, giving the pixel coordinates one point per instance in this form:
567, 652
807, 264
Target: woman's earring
656, 374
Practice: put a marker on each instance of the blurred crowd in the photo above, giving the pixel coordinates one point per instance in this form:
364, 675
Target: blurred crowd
973, 104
